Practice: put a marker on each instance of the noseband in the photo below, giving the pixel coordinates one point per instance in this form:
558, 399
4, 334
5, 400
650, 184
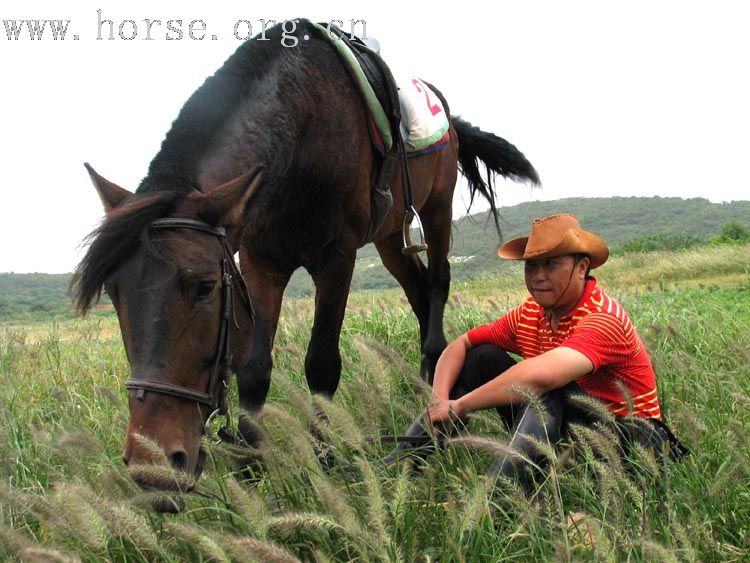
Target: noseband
215, 397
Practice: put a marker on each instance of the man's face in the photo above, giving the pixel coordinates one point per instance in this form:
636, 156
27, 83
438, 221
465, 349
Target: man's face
557, 282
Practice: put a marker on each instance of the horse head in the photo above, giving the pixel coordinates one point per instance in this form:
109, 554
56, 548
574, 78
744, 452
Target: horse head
166, 261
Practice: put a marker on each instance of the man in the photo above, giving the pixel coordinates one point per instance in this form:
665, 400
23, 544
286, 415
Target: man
573, 339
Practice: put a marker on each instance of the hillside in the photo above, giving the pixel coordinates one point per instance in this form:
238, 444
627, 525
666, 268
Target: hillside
617, 220
26, 296
473, 255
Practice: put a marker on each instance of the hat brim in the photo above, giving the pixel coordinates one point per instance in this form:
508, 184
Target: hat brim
582, 242
513, 249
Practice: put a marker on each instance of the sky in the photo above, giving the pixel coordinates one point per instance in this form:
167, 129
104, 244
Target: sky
638, 98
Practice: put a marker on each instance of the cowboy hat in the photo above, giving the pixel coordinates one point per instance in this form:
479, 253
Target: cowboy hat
556, 235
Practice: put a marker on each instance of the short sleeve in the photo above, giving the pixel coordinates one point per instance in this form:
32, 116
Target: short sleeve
501, 332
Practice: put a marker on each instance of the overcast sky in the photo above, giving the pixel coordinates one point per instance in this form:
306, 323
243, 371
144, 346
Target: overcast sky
629, 99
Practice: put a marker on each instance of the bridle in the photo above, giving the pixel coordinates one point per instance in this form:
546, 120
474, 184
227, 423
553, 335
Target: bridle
215, 396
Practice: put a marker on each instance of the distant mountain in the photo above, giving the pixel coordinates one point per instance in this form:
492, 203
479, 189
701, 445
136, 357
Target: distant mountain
618, 220
31, 296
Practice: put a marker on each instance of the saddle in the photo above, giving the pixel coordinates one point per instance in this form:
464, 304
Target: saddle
378, 89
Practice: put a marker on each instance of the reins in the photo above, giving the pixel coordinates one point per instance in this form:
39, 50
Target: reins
413, 440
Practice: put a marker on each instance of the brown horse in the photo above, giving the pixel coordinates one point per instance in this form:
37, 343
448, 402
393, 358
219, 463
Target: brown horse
270, 156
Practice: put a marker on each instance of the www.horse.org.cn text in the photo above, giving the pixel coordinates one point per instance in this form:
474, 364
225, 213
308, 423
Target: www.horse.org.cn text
172, 29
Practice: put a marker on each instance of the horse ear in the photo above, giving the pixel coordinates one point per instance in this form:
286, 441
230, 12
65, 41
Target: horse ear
110, 193
225, 206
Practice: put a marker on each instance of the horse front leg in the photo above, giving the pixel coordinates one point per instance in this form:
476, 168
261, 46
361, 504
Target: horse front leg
332, 277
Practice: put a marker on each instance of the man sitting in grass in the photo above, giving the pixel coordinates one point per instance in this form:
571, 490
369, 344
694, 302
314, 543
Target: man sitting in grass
574, 339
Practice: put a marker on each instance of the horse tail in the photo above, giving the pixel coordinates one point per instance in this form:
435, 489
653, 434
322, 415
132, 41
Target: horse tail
499, 157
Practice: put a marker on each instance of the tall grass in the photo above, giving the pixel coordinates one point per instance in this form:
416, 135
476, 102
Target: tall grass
65, 496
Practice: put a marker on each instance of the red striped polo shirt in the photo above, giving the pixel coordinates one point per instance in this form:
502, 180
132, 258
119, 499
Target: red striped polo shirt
599, 328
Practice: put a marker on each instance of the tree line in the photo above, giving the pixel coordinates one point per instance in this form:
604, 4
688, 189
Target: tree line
634, 224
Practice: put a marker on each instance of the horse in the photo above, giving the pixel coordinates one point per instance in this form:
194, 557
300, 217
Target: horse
270, 158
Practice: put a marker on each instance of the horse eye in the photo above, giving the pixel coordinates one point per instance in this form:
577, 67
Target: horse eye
205, 290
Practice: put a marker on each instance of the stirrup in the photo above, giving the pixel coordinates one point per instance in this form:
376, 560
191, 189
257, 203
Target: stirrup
410, 248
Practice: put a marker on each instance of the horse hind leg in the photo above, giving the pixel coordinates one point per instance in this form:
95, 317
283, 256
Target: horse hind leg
332, 277
437, 221
416, 280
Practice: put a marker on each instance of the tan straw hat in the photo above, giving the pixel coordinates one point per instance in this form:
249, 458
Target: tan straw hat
556, 235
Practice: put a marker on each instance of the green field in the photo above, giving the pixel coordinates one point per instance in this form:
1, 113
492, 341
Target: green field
66, 496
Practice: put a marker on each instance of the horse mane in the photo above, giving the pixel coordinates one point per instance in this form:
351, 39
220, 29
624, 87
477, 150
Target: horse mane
202, 118
113, 241
172, 173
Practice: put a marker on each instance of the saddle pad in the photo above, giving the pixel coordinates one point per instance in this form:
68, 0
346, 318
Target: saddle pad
424, 123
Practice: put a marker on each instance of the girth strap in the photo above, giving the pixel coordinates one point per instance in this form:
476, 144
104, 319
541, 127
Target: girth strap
383, 85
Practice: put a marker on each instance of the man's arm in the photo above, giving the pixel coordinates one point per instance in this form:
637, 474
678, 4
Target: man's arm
540, 374
449, 366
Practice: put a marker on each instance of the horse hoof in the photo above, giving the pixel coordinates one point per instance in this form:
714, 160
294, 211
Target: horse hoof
168, 504
249, 432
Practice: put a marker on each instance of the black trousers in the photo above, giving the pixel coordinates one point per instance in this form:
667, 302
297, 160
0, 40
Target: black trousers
527, 424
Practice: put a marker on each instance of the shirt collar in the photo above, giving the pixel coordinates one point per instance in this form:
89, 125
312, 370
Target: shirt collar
588, 289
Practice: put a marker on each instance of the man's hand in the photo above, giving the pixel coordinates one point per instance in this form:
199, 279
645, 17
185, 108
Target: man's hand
444, 410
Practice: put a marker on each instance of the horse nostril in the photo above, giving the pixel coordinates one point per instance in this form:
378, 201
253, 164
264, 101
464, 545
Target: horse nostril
179, 460
125, 461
